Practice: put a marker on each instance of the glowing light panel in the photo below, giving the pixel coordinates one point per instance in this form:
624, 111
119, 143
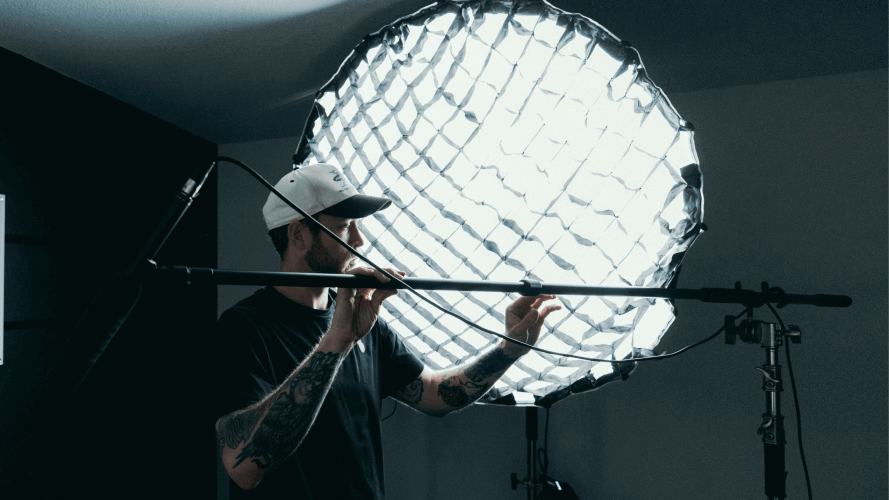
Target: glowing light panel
516, 141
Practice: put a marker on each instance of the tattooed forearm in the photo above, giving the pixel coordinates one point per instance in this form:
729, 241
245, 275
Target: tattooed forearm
411, 393
288, 416
493, 362
236, 428
463, 388
452, 393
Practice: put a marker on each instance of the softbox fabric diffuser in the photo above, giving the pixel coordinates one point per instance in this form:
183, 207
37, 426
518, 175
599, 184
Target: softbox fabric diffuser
516, 141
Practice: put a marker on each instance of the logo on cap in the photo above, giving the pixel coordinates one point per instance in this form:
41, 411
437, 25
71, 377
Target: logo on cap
337, 178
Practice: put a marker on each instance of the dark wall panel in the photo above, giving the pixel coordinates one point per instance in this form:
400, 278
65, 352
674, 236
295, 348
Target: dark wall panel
86, 178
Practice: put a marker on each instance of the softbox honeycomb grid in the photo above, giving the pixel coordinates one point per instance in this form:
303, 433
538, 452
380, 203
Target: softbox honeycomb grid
516, 141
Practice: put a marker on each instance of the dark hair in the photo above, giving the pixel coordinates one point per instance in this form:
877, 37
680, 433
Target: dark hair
280, 238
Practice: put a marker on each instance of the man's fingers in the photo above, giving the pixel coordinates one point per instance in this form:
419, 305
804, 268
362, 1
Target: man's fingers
547, 310
363, 294
520, 304
538, 325
363, 271
369, 271
395, 272
540, 299
524, 303
379, 296
534, 301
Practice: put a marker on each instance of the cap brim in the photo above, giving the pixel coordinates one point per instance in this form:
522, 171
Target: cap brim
357, 207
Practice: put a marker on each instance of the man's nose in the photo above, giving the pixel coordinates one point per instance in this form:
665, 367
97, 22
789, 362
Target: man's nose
357, 240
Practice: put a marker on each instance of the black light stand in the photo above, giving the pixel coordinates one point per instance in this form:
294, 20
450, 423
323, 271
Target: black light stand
770, 336
531, 482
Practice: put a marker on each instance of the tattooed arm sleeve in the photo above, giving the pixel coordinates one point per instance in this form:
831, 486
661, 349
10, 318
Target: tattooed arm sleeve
256, 439
442, 392
439, 393
462, 386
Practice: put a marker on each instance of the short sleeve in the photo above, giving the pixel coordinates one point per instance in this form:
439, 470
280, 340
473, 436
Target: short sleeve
240, 376
399, 366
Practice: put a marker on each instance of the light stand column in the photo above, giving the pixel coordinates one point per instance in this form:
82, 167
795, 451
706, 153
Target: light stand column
772, 428
531, 482
531, 436
770, 337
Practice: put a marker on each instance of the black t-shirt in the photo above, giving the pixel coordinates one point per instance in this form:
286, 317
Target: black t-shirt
262, 340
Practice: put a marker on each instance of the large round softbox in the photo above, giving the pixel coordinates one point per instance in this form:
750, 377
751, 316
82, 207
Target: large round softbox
516, 141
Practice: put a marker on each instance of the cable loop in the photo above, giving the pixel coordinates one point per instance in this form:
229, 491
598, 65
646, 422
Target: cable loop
532, 285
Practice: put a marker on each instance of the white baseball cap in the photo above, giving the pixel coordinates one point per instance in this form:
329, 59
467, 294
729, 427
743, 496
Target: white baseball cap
319, 188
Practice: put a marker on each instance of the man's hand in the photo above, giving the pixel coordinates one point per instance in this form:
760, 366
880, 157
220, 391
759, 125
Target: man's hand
440, 392
357, 309
524, 320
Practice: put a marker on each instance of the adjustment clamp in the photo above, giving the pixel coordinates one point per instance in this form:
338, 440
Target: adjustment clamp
532, 288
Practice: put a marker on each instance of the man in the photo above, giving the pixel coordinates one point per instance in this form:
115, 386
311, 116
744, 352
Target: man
304, 370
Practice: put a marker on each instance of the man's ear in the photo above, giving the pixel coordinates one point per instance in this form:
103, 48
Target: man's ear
296, 233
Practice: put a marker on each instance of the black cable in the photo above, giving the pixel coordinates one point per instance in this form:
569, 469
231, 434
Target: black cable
799, 422
393, 412
354, 252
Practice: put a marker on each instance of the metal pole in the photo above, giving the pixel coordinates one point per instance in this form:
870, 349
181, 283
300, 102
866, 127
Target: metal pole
531, 435
772, 428
198, 275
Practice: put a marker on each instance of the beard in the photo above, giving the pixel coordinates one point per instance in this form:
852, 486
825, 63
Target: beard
319, 259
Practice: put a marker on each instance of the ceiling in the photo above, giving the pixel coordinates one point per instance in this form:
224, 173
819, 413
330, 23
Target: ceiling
242, 70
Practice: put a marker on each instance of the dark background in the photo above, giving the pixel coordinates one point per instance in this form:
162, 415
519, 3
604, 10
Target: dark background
86, 180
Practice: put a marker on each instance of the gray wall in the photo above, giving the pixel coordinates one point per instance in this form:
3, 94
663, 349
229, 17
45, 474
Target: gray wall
795, 176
